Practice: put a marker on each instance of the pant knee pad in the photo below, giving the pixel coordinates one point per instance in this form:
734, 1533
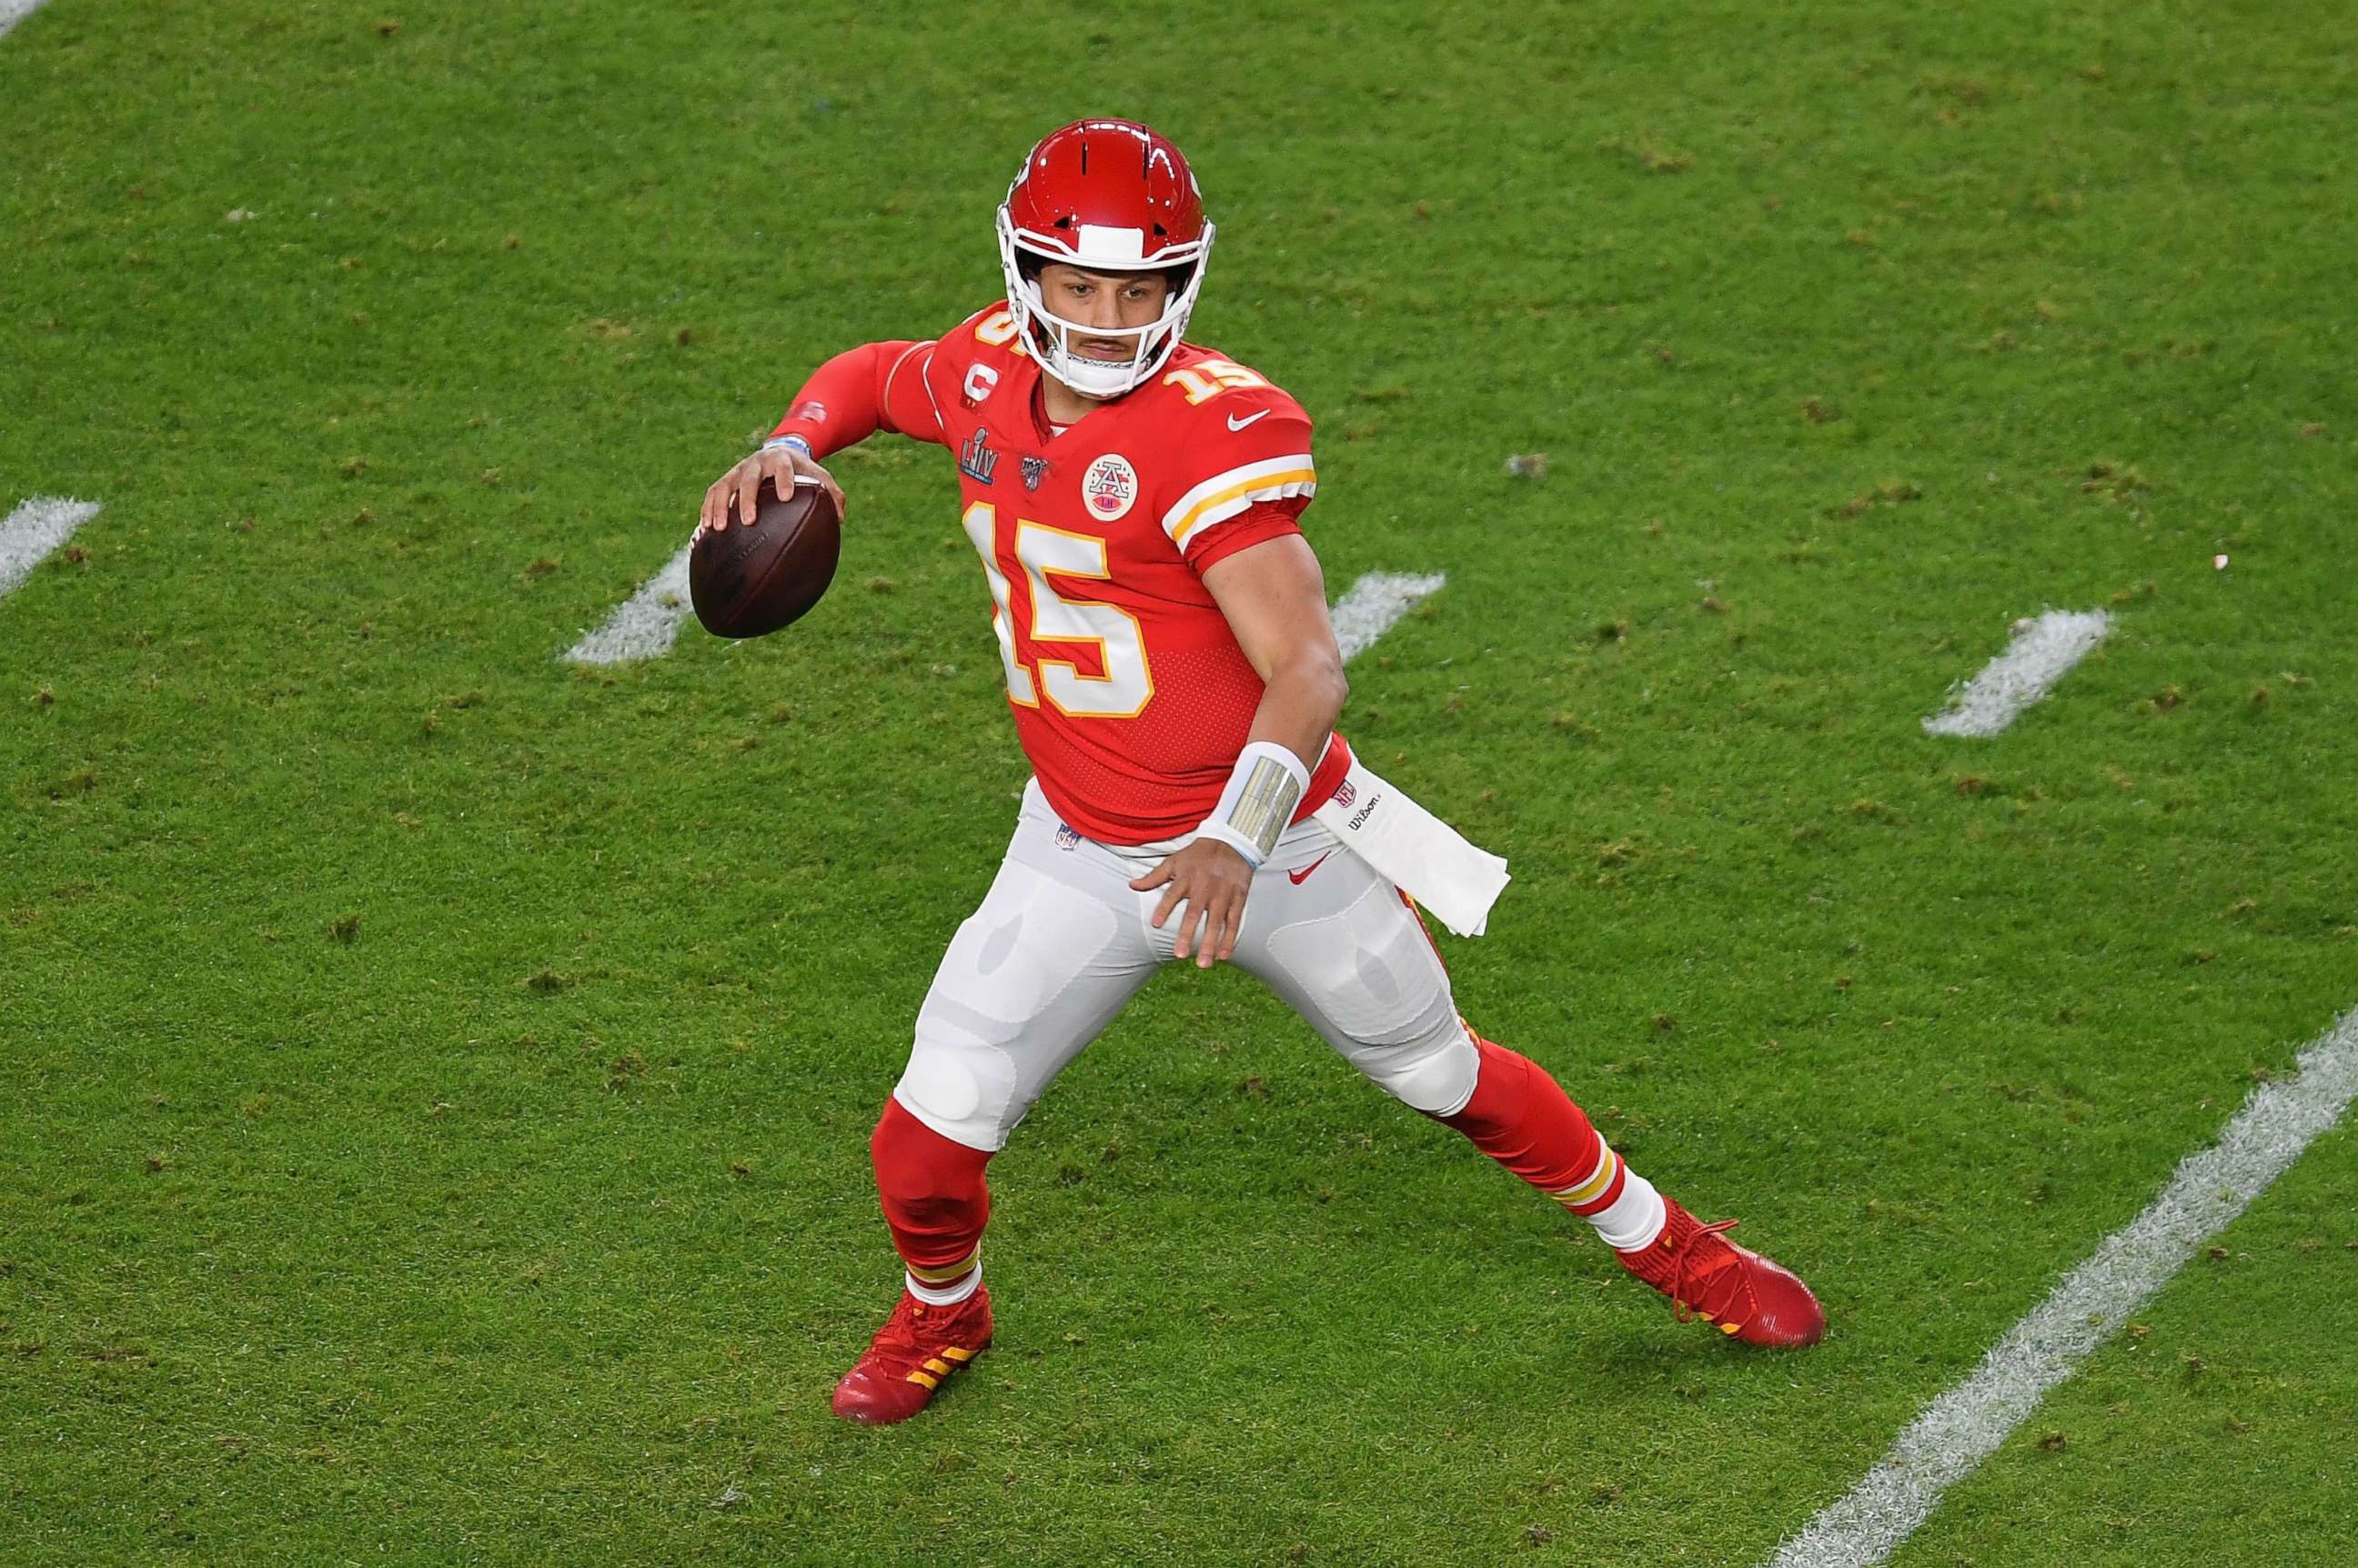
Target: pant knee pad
1434, 1075
958, 1085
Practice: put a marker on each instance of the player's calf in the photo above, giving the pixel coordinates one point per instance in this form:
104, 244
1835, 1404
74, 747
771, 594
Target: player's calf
1521, 1117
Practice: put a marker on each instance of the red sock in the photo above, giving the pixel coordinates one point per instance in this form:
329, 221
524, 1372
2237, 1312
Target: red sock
934, 1198
1521, 1117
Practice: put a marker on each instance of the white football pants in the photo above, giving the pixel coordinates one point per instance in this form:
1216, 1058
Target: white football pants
1061, 942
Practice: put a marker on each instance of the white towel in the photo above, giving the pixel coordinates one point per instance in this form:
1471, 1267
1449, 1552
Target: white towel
1423, 855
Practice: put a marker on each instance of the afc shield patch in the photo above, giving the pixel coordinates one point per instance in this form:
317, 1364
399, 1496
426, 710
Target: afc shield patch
1111, 487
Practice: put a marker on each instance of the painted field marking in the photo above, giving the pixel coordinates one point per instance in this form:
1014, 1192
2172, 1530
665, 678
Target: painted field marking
38, 526
2042, 650
1966, 1425
15, 11
647, 625
1375, 604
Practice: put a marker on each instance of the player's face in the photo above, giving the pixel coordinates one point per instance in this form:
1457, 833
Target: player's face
1115, 300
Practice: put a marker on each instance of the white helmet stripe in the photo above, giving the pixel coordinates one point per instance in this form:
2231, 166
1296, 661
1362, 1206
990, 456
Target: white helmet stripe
1112, 247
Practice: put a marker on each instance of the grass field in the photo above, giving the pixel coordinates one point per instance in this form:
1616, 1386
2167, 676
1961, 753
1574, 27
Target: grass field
437, 1077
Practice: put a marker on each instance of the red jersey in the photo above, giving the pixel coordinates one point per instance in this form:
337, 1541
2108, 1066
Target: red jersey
1131, 695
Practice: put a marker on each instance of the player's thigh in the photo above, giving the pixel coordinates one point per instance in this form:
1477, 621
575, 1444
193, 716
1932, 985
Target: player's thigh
1347, 951
1034, 975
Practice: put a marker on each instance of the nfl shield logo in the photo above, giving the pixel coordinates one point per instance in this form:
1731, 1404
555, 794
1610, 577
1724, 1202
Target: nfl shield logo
1066, 838
1344, 794
1034, 470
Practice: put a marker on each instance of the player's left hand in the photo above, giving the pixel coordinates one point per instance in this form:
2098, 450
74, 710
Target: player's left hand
1206, 882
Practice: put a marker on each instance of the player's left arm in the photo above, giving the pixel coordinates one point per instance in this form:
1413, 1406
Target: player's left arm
1274, 596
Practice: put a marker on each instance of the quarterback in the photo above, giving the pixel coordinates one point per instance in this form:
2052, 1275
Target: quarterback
1136, 502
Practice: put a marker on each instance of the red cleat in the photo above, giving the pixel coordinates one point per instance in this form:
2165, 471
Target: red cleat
914, 1352
1736, 1291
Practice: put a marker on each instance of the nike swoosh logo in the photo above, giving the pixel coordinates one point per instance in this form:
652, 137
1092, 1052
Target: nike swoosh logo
1298, 878
1237, 424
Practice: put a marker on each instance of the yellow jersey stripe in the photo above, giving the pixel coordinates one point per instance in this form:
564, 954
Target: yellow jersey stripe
1195, 514
1228, 480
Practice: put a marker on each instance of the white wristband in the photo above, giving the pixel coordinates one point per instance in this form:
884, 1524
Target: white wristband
1264, 787
799, 443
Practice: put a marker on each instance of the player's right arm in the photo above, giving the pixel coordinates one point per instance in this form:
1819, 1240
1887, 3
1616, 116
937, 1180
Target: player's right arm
877, 386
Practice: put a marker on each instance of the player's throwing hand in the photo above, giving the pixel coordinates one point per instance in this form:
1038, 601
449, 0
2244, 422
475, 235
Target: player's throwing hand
1208, 882
782, 465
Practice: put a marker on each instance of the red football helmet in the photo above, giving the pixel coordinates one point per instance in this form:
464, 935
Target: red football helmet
1111, 196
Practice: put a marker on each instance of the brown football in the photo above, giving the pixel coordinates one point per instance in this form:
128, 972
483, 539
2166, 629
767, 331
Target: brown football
749, 581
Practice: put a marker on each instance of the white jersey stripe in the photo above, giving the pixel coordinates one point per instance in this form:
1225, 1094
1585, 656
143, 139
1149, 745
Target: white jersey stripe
1225, 494
906, 354
1235, 505
925, 379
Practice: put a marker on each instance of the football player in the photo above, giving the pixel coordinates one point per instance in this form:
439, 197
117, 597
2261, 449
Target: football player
1136, 503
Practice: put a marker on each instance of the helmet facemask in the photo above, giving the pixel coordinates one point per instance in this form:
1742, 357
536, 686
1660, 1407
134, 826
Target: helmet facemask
1048, 337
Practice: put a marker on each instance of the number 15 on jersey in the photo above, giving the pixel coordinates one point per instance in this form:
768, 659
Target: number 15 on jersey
1122, 691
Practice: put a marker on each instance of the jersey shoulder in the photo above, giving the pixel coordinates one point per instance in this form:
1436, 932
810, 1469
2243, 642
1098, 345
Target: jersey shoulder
1221, 413
1236, 438
987, 336
963, 364
1209, 391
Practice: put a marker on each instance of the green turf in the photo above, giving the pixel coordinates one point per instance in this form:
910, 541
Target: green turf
438, 1079
2212, 1425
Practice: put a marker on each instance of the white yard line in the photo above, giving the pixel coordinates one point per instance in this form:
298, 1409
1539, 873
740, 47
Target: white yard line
15, 11
1375, 603
1965, 1425
646, 625
2042, 650
28, 534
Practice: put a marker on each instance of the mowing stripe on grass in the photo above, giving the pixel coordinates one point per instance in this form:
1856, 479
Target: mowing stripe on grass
1375, 603
647, 626
34, 529
2037, 659
15, 11
1965, 1425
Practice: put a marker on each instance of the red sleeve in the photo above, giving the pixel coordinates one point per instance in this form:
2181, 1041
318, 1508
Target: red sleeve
877, 386
1246, 447
1263, 520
